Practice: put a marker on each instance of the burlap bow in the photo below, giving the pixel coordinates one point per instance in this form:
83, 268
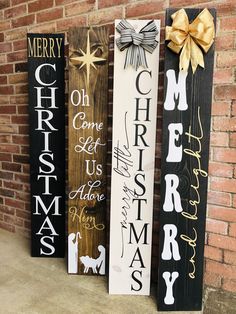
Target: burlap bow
189, 37
136, 43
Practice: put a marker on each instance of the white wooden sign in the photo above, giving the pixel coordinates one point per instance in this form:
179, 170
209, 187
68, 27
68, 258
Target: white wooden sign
133, 155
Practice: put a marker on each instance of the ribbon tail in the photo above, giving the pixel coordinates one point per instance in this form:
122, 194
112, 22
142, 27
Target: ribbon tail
196, 56
184, 58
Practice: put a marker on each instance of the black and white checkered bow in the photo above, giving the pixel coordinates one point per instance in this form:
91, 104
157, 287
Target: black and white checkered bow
136, 43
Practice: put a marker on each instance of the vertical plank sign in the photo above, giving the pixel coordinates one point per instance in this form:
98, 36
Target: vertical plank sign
136, 62
185, 149
88, 82
47, 143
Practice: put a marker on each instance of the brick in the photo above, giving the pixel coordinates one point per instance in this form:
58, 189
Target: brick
23, 178
4, 4
49, 15
24, 159
213, 253
6, 192
4, 25
17, 56
16, 2
145, 8
65, 24
5, 157
18, 78
23, 119
233, 108
24, 197
223, 184
225, 92
213, 280
226, 59
216, 226
224, 42
45, 28
5, 47
7, 227
7, 109
105, 16
22, 214
5, 138
232, 140
228, 7
229, 285
19, 99
24, 129
21, 67
224, 124
226, 271
7, 210
228, 23
221, 108
110, 3
20, 45
222, 76
3, 79
232, 230
15, 11
8, 129
230, 257
6, 68
12, 186
39, 5
23, 109
220, 170
79, 8
4, 119
6, 90
20, 139
21, 89
4, 100
23, 21
219, 198
222, 213
1, 37
9, 166
15, 34
61, 2
219, 139
9, 148
14, 203
225, 154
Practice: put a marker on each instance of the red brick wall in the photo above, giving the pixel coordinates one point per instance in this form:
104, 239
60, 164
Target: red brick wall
17, 17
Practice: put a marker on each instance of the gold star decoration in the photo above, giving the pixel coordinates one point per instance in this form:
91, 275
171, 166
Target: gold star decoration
87, 58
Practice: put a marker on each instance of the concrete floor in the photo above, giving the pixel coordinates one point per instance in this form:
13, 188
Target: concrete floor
42, 286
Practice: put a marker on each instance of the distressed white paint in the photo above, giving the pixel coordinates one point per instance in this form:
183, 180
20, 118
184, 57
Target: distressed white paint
130, 263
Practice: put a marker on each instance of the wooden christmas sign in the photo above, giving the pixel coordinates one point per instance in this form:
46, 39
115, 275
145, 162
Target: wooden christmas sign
189, 58
133, 152
88, 83
47, 143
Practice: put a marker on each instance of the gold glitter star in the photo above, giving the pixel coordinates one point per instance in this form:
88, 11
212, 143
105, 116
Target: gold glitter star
87, 58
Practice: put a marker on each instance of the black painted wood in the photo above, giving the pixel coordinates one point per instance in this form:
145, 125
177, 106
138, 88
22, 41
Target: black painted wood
47, 224
187, 292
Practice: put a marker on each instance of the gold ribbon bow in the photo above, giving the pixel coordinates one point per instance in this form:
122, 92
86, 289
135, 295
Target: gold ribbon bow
189, 37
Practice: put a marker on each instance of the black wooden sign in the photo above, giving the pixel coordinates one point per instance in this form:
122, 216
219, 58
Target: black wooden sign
185, 150
47, 143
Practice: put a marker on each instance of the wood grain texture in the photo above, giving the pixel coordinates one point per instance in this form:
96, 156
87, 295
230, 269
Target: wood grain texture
187, 291
90, 218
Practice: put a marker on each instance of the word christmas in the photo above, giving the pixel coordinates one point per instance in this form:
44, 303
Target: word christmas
46, 108
134, 129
